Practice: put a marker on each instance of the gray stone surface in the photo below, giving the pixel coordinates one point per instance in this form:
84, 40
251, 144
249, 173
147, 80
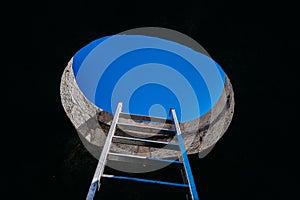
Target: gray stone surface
92, 123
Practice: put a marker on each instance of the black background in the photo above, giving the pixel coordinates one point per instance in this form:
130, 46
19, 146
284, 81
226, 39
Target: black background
255, 43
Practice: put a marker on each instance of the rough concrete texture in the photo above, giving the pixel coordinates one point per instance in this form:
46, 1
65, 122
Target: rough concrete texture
92, 123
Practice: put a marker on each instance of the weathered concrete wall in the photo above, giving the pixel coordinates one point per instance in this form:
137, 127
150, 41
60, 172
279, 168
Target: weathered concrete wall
92, 123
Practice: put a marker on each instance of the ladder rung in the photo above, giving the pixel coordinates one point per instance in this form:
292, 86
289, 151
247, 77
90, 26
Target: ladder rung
138, 134
145, 118
141, 159
144, 180
147, 143
147, 129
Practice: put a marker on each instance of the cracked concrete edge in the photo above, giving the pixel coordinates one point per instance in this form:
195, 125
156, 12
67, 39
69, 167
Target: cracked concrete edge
77, 107
216, 122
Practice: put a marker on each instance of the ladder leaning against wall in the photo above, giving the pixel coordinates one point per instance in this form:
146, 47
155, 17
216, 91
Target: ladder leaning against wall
179, 146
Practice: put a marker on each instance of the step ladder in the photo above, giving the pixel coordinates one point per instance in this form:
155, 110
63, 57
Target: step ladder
179, 146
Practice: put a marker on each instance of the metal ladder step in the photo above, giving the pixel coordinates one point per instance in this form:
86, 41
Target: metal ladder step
147, 143
142, 159
146, 129
145, 180
145, 118
144, 135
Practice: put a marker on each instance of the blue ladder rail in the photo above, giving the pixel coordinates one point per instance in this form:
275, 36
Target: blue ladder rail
145, 180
